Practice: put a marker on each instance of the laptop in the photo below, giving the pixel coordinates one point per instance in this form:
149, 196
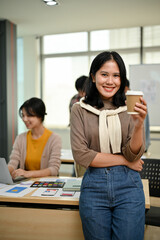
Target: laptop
5, 176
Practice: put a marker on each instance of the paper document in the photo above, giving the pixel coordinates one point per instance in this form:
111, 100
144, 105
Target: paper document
15, 191
2, 185
41, 192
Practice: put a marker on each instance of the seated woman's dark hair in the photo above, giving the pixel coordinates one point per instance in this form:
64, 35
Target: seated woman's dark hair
80, 83
34, 107
92, 95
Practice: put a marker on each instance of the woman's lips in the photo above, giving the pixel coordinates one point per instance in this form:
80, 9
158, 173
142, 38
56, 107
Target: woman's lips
108, 89
27, 124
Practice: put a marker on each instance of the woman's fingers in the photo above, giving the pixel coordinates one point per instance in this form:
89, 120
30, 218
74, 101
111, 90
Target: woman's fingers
141, 107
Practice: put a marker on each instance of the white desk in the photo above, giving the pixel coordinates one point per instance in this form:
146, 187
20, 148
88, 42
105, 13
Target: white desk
66, 156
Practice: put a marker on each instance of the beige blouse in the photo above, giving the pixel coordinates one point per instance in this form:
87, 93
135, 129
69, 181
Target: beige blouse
85, 134
50, 157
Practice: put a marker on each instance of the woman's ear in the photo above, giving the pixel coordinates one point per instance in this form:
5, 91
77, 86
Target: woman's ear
93, 78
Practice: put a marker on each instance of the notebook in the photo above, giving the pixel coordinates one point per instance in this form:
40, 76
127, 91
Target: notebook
5, 176
73, 184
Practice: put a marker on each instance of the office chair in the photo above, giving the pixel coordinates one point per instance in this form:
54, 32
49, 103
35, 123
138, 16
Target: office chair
151, 171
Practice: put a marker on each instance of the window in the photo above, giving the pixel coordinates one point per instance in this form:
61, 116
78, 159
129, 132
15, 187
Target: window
115, 39
130, 59
68, 56
151, 43
100, 40
65, 43
59, 87
125, 38
151, 36
152, 57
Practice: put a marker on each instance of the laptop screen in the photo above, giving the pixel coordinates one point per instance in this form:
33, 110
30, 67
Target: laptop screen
5, 176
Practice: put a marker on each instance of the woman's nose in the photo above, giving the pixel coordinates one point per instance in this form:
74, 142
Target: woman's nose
25, 118
109, 79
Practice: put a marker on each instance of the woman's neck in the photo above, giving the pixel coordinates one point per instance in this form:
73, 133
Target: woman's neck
38, 131
108, 104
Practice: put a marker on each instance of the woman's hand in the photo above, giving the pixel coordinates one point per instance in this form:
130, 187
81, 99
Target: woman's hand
141, 108
136, 165
137, 138
32, 173
20, 172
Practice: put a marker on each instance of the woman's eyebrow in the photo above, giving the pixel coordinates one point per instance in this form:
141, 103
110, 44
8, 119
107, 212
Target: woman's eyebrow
103, 71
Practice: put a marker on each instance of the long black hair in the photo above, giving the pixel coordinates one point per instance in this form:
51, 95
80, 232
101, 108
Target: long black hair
34, 107
92, 96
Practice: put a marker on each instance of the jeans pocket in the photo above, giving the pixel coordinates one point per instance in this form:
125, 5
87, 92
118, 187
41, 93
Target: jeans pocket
135, 177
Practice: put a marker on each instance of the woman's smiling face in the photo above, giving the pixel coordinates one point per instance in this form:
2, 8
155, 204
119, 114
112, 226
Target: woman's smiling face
107, 79
31, 122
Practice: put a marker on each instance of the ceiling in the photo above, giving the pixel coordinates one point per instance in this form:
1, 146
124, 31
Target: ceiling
33, 17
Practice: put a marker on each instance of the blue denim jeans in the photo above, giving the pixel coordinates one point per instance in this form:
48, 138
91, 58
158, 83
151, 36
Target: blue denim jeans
112, 204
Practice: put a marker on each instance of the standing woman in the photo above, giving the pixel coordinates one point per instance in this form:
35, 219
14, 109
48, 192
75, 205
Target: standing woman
109, 143
35, 153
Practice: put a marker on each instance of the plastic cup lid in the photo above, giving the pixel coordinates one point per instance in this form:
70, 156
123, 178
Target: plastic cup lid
131, 92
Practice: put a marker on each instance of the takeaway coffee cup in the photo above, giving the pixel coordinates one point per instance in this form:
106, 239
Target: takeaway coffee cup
132, 97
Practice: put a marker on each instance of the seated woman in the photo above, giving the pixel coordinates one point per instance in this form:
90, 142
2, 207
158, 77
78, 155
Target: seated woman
36, 153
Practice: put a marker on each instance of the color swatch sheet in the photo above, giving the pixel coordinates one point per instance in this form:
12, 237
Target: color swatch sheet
59, 183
